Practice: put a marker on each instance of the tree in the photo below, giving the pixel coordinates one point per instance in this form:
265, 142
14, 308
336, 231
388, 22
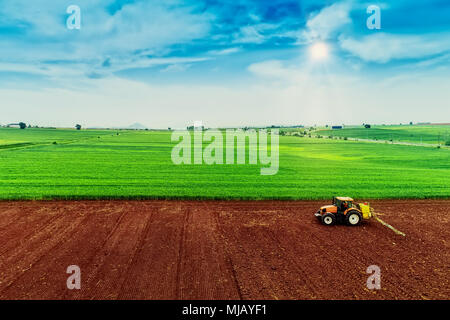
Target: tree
22, 125
78, 127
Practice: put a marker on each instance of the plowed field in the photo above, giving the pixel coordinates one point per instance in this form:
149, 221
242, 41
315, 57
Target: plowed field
220, 250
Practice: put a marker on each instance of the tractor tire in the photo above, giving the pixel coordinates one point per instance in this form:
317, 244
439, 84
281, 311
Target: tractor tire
353, 218
328, 219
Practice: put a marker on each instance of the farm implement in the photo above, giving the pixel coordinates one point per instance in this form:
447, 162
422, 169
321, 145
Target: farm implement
345, 211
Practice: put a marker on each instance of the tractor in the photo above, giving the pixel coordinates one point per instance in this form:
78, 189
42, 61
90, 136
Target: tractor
344, 210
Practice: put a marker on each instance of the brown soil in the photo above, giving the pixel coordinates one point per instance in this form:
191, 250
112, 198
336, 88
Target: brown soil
220, 250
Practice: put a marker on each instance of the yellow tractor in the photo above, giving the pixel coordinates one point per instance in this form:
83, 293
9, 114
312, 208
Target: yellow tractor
344, 210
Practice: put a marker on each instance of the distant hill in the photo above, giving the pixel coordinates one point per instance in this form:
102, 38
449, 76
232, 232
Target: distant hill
137, 125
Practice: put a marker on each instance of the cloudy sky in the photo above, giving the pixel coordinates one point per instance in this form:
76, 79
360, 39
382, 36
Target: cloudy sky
226, 63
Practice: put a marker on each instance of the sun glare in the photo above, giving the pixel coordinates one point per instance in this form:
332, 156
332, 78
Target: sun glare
318, 51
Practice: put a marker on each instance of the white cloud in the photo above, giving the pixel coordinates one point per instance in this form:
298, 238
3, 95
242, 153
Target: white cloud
224, 51
254, 33
152, 26
132, 37
325, 23
444, 59
176, 68
270, 68
118, 64
74, 74
383, 47
248, 34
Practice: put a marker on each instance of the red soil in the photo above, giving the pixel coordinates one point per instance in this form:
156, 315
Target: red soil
220, 250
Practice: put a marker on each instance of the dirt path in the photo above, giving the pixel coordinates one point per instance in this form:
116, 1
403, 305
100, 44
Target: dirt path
220, 250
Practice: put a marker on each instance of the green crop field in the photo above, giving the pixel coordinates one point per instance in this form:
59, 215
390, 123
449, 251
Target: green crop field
14, 138
433, 134
96, 164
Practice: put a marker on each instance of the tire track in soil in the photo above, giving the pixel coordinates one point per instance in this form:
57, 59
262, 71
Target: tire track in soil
259, 265
21, 261
90, 253
154, 273
204, 273
112, 260
296, 241
229, 260
301, 287
137, 249
10, 216
187, 214
47, 279
361, 258
251, 284
24, 229
309, 289
346, 272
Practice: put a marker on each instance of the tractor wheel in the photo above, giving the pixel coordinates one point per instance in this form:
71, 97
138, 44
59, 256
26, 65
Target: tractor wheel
353, 218
328, 219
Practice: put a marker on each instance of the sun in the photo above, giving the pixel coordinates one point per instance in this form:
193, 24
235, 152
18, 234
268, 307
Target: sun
318, 51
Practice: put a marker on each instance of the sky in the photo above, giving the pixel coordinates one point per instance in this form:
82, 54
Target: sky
226, 63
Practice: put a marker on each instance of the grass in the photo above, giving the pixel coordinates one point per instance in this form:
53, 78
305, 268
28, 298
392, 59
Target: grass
42, 136
405, 133
137, 165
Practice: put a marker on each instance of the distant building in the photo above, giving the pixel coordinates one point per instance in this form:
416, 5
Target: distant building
198, 126
20, 125
336, 127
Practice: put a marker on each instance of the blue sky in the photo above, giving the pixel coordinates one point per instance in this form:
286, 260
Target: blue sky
226, 63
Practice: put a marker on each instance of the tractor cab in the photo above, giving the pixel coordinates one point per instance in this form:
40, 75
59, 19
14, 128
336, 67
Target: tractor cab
342, 203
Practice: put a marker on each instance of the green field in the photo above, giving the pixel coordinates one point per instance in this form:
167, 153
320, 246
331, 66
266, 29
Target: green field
90, 164
433, 134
